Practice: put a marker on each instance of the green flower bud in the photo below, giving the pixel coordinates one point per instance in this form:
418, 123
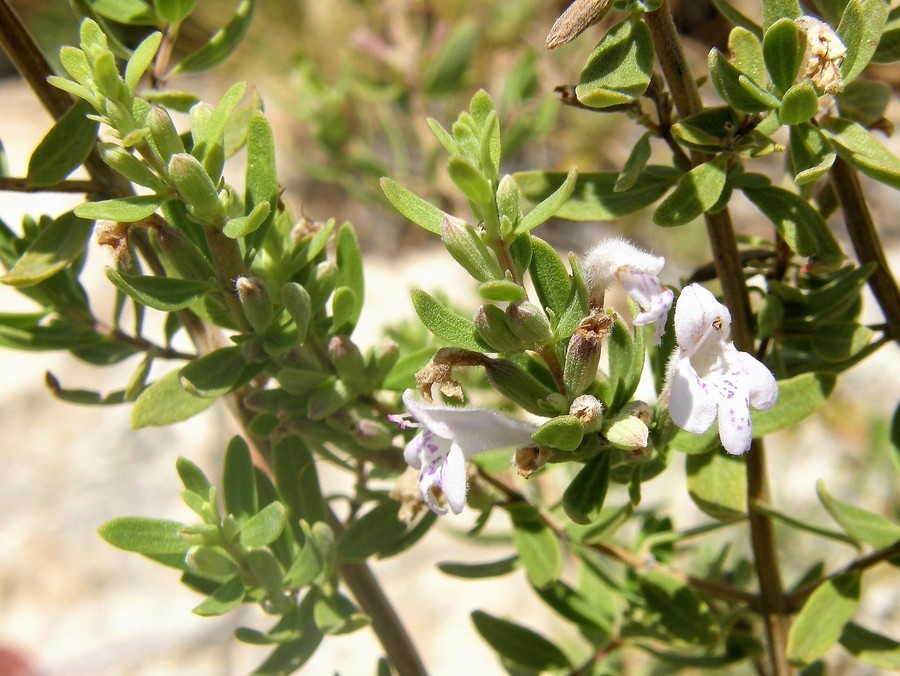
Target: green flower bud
372, 435
188, 261
583, 353
517, 385
628, 433
493, 327
529, 322
131, 167
589, 412
508, 199
255, 302
465, 245
349, 364
197, 189
380, 362
210, 561
299, 306
163, 135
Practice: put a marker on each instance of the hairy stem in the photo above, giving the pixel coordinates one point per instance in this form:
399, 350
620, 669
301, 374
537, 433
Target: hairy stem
727, 261
866, 242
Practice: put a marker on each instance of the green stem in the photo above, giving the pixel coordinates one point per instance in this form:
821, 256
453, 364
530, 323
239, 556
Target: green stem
726, 257
18, 184
866, 242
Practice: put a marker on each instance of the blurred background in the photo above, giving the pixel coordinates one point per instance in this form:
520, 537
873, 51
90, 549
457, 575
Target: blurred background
348, 85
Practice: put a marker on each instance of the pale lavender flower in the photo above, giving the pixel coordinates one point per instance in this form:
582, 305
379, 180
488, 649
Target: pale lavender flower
617, 259
709, 377
449, 435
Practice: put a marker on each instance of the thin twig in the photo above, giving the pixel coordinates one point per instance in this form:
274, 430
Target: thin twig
18, 184
727, 260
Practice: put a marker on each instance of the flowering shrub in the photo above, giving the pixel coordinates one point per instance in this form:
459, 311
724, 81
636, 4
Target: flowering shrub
269, 302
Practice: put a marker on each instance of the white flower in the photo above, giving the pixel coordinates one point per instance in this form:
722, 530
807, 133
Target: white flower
618, 259
709, 377
824, 54
448, 436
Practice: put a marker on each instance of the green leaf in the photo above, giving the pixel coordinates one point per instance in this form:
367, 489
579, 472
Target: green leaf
889, 46
64, 148
549, 206
537, 545
835, 342
239, 482
221, 44
727, 9
858, 523
336, 615
57, 246
223, 600
549, 276
761, 94
261, 178
175, 11
799, 103
575, 607
875, 649
801, 226
193, 477
783, 53
681, 611
564, 432
469, 179
446, 72
130, 12
166, 402
166, 294
584, 497
794, 522
122, 209
214, 126
860, 30
634, 165
412, 206
811, 153
263, 528
479, 571
726, 79
214, 374
773, 10
861, 149
626, 363
717, 484
798, 398
864, 101
697, 191
619, 69
747, 53
375, 531
446, 325
244, 225
348, 258
141, 59
298, 480
518, 645
594, 197
290, 656
145, 536
819, 624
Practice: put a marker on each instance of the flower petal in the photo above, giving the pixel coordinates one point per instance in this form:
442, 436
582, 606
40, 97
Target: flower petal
735, 430
453, 479
759, 381
475, 430
700, 317
691, 405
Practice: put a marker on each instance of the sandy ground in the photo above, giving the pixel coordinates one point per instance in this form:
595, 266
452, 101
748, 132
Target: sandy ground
74, 605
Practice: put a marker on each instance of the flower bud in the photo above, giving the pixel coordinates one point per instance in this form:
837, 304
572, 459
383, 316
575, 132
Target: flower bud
491, 324
508, 199
824, 54
589, 412
629, 430
196, 188
210, 561
583, 353
131, 167
349, 364
530, 460
163, 134
380, 362
465, 245
529, 322
184, 256
516, 384
372, 435
299, 306
321, 282
255, 302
